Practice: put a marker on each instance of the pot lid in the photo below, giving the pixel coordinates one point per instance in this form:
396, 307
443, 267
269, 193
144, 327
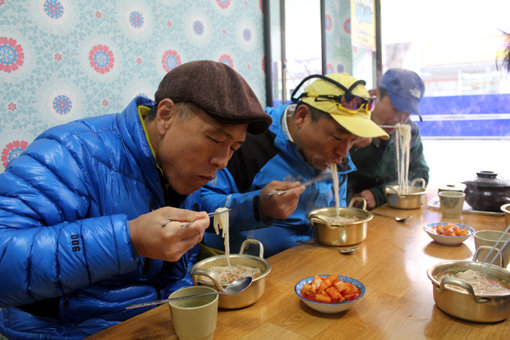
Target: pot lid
488, 179
453, 187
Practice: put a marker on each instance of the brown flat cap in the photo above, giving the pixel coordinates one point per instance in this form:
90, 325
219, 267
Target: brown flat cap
217, 89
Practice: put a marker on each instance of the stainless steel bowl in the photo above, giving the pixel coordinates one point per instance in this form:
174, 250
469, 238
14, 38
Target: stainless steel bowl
340, 234
413, 199
457, 298
203, 276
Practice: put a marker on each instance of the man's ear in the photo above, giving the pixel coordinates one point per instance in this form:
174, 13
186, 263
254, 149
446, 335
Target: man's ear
301, 115
166, 113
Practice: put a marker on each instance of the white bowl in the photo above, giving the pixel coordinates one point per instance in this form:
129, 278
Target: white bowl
448, 240
330, 307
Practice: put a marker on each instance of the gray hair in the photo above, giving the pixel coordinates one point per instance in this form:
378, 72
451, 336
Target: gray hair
186, 111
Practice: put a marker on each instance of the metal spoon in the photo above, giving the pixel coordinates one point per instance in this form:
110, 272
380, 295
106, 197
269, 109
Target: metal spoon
348, 250
398, 219
235, 287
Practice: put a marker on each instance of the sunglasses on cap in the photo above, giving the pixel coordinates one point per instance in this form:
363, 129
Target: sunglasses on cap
348, 101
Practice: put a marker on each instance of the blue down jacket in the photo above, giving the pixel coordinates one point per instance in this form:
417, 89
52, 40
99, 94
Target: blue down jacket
260, 160
65, 204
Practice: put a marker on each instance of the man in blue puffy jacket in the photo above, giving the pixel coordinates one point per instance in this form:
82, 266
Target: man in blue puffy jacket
83, 210
261, 183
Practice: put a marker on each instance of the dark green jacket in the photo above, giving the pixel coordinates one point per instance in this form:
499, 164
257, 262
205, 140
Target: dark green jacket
377, 166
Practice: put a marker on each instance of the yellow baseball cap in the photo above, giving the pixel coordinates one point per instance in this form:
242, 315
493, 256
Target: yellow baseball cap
346, 99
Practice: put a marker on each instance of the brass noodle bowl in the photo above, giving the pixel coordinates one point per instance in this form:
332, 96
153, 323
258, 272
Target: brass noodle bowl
456, 297
203, 276
412, 199
340, 233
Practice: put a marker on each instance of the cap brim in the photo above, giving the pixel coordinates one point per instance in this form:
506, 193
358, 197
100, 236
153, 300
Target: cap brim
256, 126
361, 127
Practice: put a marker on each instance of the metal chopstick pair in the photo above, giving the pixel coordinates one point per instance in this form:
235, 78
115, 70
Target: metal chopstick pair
305, 183
211, 214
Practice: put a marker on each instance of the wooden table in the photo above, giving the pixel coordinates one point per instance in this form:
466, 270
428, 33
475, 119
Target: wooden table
392, 263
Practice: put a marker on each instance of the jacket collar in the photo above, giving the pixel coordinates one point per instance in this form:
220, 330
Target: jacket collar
134, 136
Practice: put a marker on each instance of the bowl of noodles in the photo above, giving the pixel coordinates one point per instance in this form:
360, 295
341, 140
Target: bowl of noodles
403, 195
221, 270
341, 226
406, 196
463, 289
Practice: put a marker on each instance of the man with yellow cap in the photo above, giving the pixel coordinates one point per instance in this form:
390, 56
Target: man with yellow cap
318, 128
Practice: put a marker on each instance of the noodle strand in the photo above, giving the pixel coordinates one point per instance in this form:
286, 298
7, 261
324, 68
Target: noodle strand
221, 222
334, 176
229, 273
402, 145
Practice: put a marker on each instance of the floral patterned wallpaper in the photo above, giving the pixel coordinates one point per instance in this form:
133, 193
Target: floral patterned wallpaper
339, 51
61, 60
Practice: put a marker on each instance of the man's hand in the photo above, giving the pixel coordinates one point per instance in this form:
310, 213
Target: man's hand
171, 241
368, 196
279, 205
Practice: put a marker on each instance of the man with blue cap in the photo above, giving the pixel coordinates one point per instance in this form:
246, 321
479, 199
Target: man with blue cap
398, 95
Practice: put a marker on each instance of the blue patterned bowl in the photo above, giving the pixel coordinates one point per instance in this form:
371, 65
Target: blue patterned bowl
448, 240
330, 307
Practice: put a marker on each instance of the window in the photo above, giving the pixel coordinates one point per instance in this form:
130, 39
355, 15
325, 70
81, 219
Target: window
452, 45
296, 49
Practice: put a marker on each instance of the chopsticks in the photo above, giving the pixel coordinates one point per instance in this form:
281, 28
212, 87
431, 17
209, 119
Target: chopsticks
494, 249
305, 183
211, 214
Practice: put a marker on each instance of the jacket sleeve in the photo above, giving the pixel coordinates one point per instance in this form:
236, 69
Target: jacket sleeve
48, 246
379, 195
222, 192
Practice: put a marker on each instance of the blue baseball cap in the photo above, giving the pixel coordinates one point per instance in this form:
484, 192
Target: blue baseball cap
405, 89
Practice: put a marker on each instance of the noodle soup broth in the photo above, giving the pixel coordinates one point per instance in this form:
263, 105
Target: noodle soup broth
482, 284
241, 265
228, 274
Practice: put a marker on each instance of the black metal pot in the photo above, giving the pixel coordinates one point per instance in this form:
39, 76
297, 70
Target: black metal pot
487, 192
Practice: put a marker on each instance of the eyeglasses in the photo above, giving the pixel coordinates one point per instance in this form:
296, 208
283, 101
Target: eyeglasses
348, 102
